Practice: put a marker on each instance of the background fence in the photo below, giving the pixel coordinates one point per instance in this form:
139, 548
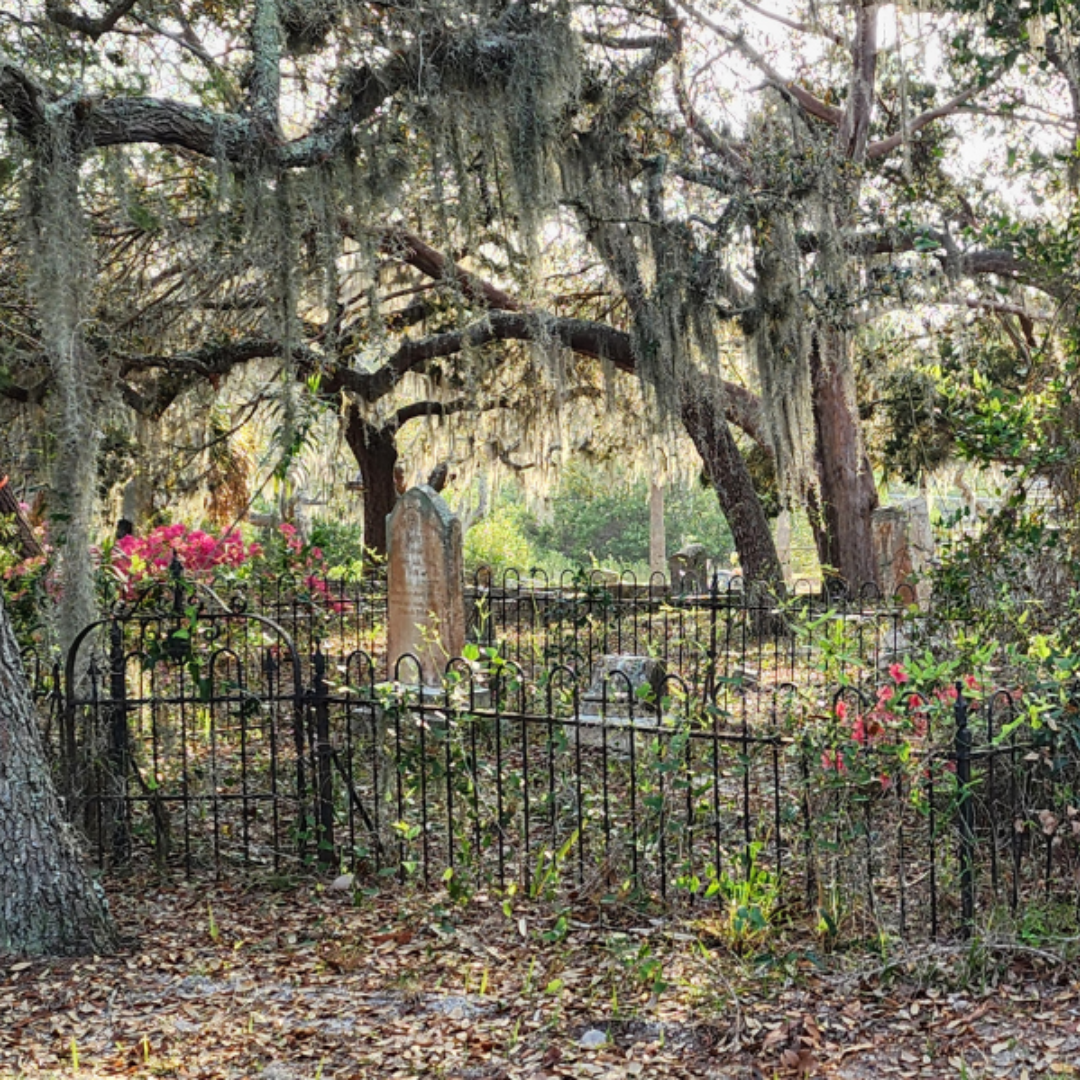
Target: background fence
262, 733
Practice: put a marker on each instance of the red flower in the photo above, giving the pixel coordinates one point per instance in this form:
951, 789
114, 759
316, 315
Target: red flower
832, 761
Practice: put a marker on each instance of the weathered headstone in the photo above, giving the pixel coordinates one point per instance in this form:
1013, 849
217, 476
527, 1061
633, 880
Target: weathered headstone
689, 569
904, 545
612, 700
425, 584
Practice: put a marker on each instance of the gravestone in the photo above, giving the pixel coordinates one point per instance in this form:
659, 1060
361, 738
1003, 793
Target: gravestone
689, 570
904, 546
610, 706
425, 585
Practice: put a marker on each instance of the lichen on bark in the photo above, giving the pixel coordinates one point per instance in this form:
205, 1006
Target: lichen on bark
48, 903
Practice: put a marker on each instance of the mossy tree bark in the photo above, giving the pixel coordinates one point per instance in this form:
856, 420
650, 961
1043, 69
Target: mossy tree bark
727, 472
842, 532
48, 904
376, 455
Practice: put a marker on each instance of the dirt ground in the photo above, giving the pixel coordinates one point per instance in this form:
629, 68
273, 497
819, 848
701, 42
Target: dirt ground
307, 982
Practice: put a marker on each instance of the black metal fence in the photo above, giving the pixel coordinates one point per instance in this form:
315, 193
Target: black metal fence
708, 637
192, 730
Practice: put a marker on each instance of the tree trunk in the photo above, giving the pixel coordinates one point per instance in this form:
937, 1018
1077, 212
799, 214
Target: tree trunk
9, 507
729, 476
848, 496
48, 903
376, 455
657, 535
783, 544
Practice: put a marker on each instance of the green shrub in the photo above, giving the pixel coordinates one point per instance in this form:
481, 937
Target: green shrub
597, 519
498, 541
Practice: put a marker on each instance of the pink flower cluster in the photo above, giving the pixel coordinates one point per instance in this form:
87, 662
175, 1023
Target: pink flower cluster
871, 726
139, 557
882, 724
309, 562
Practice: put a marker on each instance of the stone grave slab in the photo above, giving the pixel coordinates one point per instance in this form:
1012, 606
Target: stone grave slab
610, 708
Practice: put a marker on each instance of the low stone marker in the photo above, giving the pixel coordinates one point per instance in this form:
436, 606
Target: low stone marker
904, 545
425, 585
610, 707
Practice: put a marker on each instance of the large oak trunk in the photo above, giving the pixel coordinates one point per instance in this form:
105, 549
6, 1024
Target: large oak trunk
727, 472
376, 455
842, 530
48, 903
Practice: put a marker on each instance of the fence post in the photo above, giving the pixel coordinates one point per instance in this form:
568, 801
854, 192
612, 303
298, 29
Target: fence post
300, 704
324, 776
713, 654
176, 576
965, 813
119, 747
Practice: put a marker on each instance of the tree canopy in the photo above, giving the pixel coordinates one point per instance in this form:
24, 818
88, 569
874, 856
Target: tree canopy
468, 213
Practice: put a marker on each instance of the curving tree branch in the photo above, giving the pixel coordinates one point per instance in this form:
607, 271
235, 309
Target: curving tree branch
62, 15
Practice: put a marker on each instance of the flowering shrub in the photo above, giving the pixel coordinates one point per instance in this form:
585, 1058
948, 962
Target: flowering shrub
291, 554
876, 738
30, 584
138, 559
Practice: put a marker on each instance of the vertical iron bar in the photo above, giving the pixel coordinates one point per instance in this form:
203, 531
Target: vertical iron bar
497, 692
324, 804
421, 706
965, 813
452, 723
119, 747
663, 792
579, 798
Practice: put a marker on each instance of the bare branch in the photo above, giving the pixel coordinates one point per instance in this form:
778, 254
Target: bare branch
400, 243
855, 128
610, 41
417, 409
60, 14
790, 89
22, 98
794, 24
709, 137
886, 146
189, 41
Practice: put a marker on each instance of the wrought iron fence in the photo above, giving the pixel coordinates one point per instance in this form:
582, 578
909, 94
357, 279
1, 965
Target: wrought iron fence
195, 733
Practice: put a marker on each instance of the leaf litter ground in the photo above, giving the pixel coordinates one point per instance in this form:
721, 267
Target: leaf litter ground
217, 981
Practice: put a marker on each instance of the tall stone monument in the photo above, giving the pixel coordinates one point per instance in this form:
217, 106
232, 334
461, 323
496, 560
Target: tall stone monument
425, 579
904, 545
